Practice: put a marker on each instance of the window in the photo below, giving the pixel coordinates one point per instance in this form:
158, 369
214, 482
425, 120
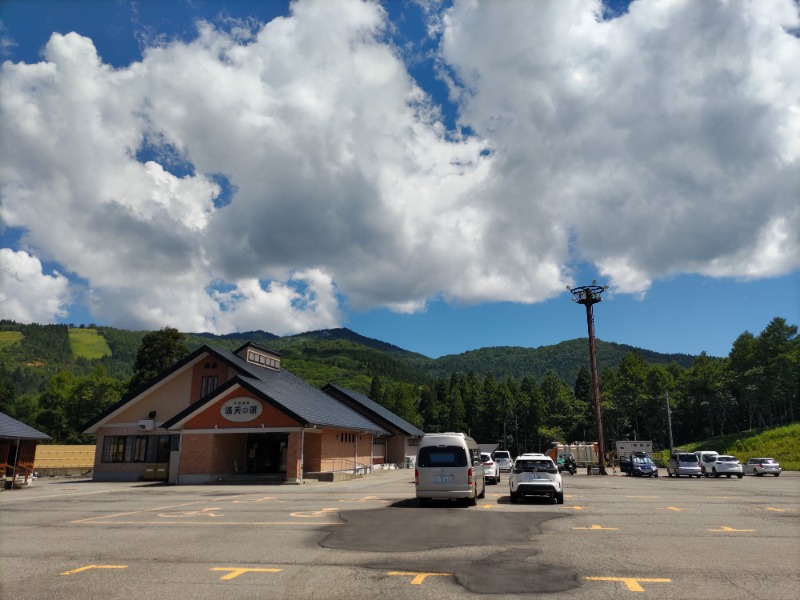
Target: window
208, 383
114, 448
263, 360
379, 441
442, 456
139, 449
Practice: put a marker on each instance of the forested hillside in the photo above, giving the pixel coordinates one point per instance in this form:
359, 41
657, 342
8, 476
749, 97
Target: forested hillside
525, 398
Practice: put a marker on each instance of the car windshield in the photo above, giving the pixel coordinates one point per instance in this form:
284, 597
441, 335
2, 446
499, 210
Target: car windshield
726, 459
534, 465
768, 461
687, 458
501, 455
486, 458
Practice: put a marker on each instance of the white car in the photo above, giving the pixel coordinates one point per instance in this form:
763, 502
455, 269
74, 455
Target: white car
726, 465
535, 475
491, 470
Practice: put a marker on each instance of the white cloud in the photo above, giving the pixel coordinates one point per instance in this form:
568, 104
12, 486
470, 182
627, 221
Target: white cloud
27, 294
661, 142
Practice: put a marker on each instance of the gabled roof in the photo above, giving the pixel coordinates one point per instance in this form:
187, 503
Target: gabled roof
375, 410
13, 429
290, 394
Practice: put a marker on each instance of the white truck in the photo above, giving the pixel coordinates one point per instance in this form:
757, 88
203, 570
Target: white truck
627, 447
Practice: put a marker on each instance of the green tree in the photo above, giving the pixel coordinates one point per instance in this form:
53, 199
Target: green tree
159, 350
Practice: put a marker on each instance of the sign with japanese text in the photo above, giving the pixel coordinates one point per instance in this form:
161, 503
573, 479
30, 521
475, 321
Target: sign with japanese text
241, 410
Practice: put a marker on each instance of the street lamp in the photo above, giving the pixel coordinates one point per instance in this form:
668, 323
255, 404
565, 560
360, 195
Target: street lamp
588, 295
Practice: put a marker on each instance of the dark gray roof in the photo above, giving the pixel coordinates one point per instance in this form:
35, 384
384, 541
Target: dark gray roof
288, 393
378, 410
11, 428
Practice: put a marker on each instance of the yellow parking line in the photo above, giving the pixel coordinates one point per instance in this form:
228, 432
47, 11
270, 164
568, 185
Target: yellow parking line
419, 577
632, 583
87, 567
236, 571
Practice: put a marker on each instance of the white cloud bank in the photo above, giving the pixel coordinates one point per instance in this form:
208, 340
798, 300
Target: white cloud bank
665, 141
28, 295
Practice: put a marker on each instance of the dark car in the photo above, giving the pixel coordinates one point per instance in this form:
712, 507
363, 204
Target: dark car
639, 465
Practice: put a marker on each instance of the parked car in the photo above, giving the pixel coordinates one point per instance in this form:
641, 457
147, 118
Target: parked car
535, 475
707, 458
503, 458
491, 469
683, 463
761, 466
638, 464
449, 467
727, 465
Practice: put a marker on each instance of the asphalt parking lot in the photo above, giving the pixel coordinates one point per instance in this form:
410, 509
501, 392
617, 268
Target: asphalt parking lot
614, 536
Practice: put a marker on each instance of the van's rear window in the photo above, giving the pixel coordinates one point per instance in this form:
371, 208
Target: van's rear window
442, 456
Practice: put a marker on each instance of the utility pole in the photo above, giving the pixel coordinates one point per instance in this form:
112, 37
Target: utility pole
669, 424
589, 295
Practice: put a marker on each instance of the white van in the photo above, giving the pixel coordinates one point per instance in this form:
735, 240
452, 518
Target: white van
706, 458
449, 466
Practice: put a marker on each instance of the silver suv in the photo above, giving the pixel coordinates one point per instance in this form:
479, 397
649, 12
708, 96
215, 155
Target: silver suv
535, 475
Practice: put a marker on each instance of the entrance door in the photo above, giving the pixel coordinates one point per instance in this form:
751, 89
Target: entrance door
266, 452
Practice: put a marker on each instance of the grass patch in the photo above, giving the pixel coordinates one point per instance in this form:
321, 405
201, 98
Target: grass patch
780, 443
9, 338
88, 343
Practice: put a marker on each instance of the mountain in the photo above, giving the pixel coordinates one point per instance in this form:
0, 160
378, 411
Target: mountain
33, 353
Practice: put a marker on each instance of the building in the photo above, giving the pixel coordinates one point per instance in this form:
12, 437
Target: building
404, 439
17, 451
219, 415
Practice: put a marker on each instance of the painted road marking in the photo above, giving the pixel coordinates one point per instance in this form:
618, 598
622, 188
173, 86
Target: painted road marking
727, 529
87, 567
418, 577
779, 509
632, 583
325, 512
576, 507
254, 500
675, 508
367, 499
645, 497
135, 512
206, 512
236, 571
597, 528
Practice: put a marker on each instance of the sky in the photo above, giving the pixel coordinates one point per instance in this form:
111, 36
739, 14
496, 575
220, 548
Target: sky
432, 174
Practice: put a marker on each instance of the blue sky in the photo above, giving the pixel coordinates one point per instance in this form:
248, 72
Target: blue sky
431, 174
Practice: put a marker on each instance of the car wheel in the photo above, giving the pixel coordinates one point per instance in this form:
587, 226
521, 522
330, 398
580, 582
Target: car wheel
776, 474
728, 475
699, 476
560, 498
715, 473
483, 491
514, 498
740, 476
423, 502
759, 474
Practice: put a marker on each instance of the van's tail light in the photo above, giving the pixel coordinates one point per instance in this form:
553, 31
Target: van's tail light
469, 476
416, 477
